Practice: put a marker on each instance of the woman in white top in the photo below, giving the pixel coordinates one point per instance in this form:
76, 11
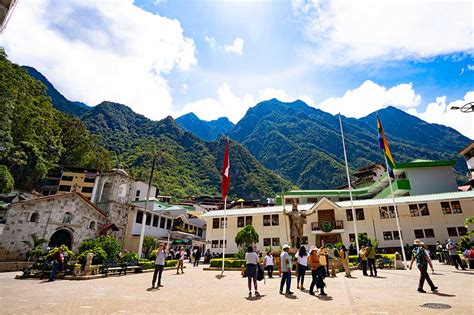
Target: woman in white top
302, 260
268, 263
251, 261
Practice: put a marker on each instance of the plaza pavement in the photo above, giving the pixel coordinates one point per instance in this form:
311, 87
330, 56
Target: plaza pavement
201, 292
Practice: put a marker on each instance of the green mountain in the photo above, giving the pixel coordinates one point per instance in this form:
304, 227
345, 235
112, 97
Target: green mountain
303, 143
205, 130
187, 165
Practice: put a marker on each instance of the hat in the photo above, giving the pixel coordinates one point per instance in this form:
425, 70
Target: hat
313, 248
286, 246
418, 242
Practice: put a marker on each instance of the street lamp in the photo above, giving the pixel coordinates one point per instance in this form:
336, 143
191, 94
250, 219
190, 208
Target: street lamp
466, 108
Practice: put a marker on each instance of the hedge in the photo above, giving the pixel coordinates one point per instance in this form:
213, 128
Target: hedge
354, 258
150, 264
228, 262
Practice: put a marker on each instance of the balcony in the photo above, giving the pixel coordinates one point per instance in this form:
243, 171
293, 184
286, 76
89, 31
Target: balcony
327, 226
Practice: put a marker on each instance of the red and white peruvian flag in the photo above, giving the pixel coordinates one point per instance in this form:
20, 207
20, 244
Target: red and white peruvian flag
225, 172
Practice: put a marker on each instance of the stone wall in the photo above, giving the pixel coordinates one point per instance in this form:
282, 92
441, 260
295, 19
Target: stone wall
50, 212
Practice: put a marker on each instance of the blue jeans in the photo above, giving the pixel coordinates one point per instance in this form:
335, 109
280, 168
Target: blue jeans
54, 271
301, 273
285, 277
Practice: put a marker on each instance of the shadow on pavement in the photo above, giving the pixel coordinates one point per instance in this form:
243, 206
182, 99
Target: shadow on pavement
254, 298
379, 277
152, 289
219, 277
291, 296
444, 294
324, 298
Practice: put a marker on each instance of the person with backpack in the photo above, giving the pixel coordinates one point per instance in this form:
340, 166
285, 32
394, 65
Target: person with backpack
371, 259
197, 257
419, 255
251, 262
180, 257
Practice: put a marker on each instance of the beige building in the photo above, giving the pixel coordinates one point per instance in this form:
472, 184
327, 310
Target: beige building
72, 179
431, 218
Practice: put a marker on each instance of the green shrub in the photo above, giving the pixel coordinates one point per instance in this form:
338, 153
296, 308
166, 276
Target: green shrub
130, 257
146, 264
152, 255
240, 254
68, 254
353, 259
238, 263
87, 245
171, 263
228, 263
99, 256
110, 245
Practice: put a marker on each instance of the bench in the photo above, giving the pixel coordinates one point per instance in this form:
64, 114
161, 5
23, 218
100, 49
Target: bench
120, 267
383, 262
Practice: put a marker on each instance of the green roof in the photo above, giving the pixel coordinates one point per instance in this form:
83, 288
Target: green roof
424, 163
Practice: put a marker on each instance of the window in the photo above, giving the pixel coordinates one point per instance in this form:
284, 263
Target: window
215, 223
89, 180
462, 230
137, 193
139, 217
290, 201
349, 215
64, 188
446, 208
352, 237
360, 214
248, 220
387, 235
222, 223
267, 241
240, 222
266, 220
304, 240
67, 218
221, 243
155, 220
429, 233
34, 217
452, 231
67, 178
186, 226
424, 211
419, 234
163, 222
200, 232
168, 224
92, 225
312, 200
396, 235
276, 241
387, 212
414, 210
456, 206
87, 190
215, 244
275, 219
148, 219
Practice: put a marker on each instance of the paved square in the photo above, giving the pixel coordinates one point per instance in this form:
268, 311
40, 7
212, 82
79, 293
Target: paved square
200, 292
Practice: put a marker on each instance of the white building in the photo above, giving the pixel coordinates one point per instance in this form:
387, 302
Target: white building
431, 218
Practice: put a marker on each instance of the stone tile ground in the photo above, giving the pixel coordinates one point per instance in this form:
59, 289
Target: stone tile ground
200, 292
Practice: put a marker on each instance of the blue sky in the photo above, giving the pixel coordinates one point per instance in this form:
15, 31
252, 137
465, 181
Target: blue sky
218, 58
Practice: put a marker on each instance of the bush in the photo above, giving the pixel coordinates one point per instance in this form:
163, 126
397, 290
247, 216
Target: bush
146, 264
99, 256
87, 245
130, 257
68, 254
110, 245
228, 263
171, 263
152, 255
240, 254
6, 180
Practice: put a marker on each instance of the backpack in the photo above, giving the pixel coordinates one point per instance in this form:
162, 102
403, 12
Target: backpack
420, 256
178, 255
260, 272
336, 253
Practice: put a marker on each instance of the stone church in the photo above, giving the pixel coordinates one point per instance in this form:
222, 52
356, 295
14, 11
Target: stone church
69, 218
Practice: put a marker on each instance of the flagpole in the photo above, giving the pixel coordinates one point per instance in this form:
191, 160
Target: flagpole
396, 215
354, 218
223, 241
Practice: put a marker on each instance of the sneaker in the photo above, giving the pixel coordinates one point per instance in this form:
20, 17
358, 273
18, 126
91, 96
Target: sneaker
434, 289
322, 294
421, 291
257, 294
152, 286
298, 286
250, 294
302, 288
289, 292
160, 285
311, 293
281, 292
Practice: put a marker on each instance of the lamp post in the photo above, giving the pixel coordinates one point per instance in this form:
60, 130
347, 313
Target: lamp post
466, 108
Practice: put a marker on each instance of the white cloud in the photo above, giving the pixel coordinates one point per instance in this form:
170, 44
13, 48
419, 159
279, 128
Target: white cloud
237, 47
370, 97
101, 50
211, 41
347, 32
470, 67
440, 112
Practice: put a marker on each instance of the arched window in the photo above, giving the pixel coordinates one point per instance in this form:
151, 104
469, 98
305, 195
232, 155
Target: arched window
67, 218
34, 217
92, 225
106, 190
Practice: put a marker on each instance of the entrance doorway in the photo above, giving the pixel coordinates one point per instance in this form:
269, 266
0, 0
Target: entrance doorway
328, 239
61, 237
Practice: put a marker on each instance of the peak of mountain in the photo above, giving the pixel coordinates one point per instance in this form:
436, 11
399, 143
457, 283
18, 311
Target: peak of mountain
59, 102
205, 130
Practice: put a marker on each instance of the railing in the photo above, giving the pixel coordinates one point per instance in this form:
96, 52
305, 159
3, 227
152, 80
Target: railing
322, 226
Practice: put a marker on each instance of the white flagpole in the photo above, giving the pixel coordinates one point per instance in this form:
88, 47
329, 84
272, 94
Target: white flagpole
225, 226
354, 218
396, 214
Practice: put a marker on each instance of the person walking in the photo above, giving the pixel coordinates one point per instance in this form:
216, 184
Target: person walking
58, 261
419, 255
302, 265
313, 262
159, 265
251, 262
371, 259
197, 257
363, 260
181, 255
269, 263
285, 263
439, 252
344, 256
324, 258
453, 254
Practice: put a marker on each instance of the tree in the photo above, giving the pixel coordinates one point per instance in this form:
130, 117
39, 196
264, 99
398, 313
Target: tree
149, 244
35, 246
247, 236
363, 239
6, 180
